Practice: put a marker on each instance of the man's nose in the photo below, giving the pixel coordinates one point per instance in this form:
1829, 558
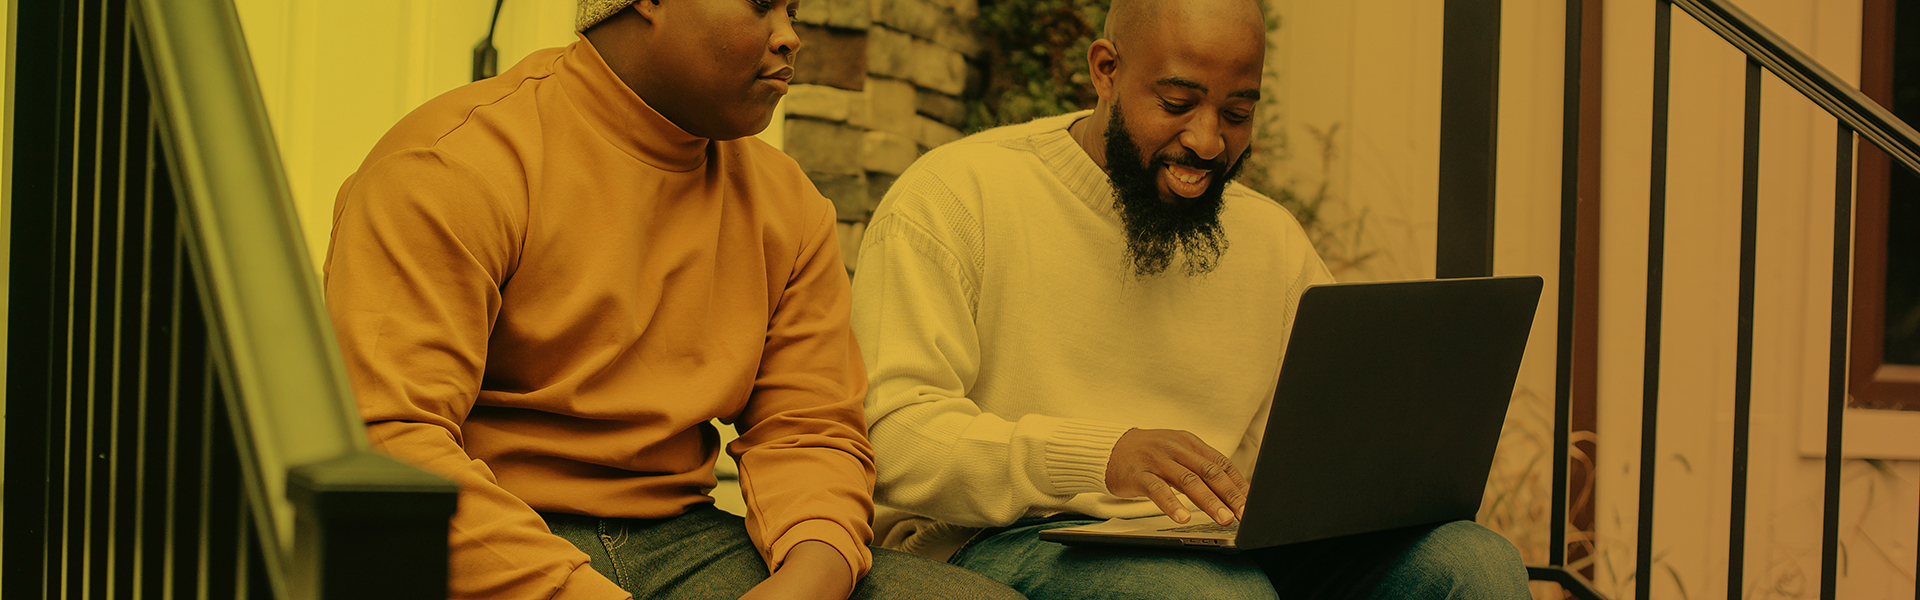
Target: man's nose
1203, 137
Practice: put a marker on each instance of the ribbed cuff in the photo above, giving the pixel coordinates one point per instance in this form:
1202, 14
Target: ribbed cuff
585, 583
1077, 455
859, 558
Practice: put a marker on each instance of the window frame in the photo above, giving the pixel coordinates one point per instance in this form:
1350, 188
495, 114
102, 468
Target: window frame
1873, 384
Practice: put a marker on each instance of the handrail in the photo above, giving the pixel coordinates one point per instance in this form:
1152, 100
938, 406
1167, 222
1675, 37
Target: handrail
278, 356
1836, 96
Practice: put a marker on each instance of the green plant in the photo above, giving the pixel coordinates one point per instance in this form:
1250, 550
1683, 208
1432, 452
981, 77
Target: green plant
1036, 60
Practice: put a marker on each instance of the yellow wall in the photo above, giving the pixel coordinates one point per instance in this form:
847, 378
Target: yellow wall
336, 74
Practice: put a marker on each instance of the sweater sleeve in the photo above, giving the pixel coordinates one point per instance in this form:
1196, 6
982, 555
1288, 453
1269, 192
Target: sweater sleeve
419, 251
1306, 269
942, 454
806, 468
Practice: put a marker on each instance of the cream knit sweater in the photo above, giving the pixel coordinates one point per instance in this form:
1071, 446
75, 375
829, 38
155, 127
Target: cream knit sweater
1009, 345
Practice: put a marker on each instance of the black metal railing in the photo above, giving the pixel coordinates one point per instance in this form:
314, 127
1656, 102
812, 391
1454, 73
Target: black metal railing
1467, 241
179, 423
1856, 114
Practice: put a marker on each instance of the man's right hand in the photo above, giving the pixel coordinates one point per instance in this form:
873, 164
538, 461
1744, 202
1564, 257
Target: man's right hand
1161, 463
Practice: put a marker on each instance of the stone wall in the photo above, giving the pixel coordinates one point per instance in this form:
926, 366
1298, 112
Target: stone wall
878, 83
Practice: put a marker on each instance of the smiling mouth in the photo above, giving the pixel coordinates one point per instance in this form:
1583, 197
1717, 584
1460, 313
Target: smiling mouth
1187, 182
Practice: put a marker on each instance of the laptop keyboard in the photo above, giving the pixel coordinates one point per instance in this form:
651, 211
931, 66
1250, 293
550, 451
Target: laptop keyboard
1206, 528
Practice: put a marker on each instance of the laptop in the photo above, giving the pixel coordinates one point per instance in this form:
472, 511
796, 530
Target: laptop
1389, 405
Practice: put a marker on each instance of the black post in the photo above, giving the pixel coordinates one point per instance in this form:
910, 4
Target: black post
1837, 358
1469, 124
1656, 261
369, 526
1569, 249
1743, 346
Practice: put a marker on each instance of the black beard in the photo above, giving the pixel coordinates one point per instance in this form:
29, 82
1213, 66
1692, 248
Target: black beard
1156, 229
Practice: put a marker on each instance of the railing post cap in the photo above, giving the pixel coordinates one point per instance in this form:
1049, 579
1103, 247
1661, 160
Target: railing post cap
370, 484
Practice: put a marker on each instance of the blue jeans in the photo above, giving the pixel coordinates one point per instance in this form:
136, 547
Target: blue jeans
705, 553
1459, 560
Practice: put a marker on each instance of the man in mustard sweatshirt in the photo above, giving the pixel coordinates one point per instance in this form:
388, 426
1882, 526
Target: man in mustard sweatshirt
545, 285
1079, 318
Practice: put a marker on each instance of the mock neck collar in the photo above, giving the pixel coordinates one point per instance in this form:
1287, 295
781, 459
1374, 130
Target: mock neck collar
622, 118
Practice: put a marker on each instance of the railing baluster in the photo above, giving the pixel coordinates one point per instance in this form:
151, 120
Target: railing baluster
1656, 250
90, 345
107, 267
1569, 228
243, 548
129, 324
148, 320
204, 494
1837, 356
1743, 347
117, 74
73, 411
170, 560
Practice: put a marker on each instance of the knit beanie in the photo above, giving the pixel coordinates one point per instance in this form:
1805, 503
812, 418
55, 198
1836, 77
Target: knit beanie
593, 11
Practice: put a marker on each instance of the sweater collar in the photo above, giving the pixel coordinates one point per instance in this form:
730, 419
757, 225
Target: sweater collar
1068, 161
622, 118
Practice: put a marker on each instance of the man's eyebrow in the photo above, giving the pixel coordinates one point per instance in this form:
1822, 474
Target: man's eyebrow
1178, 81
1182, 82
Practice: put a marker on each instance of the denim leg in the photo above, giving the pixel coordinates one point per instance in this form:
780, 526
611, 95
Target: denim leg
1048, 571
902, 575
706, 553
584, 533
1460, 560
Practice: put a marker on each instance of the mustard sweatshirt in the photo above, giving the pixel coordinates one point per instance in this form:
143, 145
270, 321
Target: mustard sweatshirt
544, 290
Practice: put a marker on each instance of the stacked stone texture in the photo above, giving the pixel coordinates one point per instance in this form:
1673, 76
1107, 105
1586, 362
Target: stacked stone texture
879, 82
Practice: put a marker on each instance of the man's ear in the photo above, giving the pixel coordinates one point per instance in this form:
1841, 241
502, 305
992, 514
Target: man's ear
1102, 60
648, 9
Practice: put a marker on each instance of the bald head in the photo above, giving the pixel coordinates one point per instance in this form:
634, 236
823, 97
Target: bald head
1129, 19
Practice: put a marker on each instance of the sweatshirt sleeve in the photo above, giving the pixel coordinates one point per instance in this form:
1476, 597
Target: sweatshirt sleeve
419, 251
806, 468
942, 454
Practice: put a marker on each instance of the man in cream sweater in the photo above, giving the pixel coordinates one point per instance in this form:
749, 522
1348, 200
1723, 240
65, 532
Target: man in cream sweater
1080, 318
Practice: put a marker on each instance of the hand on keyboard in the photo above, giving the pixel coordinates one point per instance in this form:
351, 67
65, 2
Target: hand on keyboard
1163, 463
